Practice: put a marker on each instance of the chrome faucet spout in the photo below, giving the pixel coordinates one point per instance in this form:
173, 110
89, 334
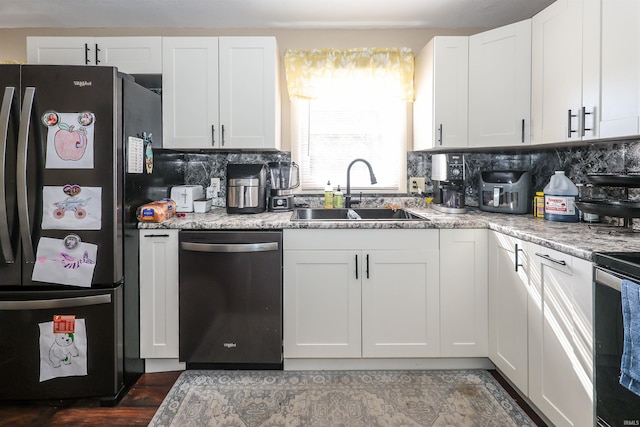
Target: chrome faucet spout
347, 196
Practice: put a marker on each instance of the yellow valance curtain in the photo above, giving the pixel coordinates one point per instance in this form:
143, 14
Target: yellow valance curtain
362, 72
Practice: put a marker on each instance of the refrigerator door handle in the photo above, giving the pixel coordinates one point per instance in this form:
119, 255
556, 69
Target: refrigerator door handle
21, 178
46, 304
5, 237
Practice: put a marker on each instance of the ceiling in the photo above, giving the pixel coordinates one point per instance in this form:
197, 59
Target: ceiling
280, 14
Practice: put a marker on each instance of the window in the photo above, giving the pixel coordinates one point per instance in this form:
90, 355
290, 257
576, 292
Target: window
348, 105
330, 133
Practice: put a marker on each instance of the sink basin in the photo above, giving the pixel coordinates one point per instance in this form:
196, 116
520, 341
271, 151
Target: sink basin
366, 214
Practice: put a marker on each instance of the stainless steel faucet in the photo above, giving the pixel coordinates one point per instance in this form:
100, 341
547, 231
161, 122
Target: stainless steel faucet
347, 196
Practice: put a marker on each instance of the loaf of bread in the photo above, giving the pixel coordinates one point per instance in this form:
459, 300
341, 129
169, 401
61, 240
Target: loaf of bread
157, 211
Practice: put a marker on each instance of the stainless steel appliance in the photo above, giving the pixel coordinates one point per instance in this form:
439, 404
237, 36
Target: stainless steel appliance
246, 188
231, 299
285, 176
615, 404
447, 174
68, 244
507, 191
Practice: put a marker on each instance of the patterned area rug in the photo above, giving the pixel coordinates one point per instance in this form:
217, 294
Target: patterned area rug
338, 398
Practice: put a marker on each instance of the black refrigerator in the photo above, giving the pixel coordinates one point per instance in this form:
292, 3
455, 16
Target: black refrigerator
72, 138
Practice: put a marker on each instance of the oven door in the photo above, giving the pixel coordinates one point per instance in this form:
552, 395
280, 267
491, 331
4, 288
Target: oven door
615, 404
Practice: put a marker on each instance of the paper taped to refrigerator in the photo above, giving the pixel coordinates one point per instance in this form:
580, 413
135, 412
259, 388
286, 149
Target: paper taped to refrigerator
58, 262
71, 207
64, 354
70, 139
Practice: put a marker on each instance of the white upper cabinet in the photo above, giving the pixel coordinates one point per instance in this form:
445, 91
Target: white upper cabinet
566, 71
133, 55
500, 86
221, 93
441, 85
620, 104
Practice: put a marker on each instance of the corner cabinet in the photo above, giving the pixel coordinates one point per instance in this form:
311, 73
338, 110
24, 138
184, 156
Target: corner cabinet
500, 86
561, 337
221, 93
441, 84
132, 55
463, 293
361, 293
159, 294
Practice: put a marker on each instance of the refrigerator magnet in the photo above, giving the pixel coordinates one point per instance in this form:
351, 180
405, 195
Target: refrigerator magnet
69, 143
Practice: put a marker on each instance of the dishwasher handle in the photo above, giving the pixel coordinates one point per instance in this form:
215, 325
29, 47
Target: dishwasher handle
229, 247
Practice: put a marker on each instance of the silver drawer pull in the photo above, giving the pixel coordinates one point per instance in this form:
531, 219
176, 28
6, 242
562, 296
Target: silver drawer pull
226, 247
547, 257
47, 304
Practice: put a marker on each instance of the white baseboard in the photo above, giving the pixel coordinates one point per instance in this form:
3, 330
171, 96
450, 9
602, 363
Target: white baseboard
387, 364
163, 365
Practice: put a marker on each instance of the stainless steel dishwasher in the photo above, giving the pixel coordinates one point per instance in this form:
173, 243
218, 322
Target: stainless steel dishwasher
231, 299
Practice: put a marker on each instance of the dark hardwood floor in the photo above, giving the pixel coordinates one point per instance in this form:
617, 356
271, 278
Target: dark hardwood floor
135, 409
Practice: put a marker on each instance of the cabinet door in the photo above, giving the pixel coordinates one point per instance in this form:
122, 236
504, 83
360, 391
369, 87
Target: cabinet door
249, 93
560, 344
557, 72
451, 91
441, 90
463, 293
190, 114
133, 55
159, 293
61, 50
620, 109
508, 289
400, 303
322, 312
500, 86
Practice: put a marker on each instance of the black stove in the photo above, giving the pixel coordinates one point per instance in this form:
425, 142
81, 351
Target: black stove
626, 263
615, 404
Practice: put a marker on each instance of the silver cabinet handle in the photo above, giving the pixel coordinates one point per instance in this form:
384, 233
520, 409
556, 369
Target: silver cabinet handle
569, 117
213, 135
21, 177
55, 303
148, 236
356, 266
523, 131
229, 247
548, 258
367, 266
5, 113
222, 142
440, 133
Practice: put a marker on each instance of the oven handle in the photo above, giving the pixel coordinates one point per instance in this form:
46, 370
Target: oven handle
47, 304
226, 247
608, 279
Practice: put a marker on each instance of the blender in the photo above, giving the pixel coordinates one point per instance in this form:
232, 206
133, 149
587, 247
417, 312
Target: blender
283, 181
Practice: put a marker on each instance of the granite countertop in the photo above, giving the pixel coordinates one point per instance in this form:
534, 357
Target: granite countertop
577, 239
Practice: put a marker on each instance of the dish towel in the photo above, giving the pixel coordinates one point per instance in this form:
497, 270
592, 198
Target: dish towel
630, 366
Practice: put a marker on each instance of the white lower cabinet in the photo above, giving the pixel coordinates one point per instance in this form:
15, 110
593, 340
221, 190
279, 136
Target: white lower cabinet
508, 296
463, 293
560, 337
159, 294
361, 293
541, 327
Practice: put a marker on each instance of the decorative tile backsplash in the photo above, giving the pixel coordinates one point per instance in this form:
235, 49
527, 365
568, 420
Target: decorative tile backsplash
173, 168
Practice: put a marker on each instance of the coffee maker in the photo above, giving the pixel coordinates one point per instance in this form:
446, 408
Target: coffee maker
285, 176
246, 188
447, 174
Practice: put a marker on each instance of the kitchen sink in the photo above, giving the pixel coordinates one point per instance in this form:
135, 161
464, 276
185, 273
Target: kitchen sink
354, 214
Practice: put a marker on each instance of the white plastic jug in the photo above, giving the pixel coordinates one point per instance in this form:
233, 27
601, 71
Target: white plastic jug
560, 197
